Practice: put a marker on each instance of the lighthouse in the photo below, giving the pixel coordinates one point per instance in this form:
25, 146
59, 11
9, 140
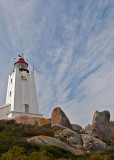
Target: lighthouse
21, 98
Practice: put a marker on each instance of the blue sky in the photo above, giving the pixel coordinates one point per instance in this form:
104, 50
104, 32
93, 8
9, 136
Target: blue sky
70, 44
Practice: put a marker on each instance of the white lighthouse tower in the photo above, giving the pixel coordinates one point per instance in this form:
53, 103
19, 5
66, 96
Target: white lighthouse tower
21, 96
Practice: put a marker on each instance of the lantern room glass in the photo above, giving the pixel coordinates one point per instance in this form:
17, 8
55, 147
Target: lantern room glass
21, 65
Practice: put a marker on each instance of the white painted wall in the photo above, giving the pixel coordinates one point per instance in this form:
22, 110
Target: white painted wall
4, 110
21, 91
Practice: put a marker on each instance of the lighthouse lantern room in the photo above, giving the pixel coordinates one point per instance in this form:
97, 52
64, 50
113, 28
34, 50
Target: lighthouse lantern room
21, 96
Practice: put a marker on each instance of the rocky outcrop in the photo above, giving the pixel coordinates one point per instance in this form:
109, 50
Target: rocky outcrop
101, 126
31, 120
92, 143
72, 137
45, 140
85, 141
68, 139
76, 127
58, 117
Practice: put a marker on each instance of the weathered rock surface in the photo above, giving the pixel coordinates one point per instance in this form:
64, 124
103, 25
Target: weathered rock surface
82, 131
72, 137
88, 129
57, 126
45, 140
58, 117
43, 121
76, 127
112, 123
101, 126
26, 120
92, 143
31, 120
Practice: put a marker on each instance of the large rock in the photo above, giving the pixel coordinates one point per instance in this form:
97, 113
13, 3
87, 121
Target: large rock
58, 117
31, 120
76, 127
45, 140
72, 137
101, 126
92, 143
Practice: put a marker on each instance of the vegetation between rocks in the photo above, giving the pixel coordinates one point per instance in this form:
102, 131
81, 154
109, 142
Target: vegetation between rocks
13, 144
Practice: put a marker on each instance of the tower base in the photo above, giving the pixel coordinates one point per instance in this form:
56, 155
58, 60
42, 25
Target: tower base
14, 114
5, 112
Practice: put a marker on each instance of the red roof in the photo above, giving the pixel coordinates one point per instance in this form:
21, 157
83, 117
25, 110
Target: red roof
21, 60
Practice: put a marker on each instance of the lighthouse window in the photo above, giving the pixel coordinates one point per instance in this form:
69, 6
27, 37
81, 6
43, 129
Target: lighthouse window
10, 93
11, 80
26, 108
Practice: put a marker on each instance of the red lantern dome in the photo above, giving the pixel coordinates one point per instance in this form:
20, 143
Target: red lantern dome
21, 60
21, 64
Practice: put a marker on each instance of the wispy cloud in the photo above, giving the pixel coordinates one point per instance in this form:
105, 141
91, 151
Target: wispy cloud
70, 45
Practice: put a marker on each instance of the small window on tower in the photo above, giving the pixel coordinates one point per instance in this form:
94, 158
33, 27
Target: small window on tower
26, 108
10, 93
11, 80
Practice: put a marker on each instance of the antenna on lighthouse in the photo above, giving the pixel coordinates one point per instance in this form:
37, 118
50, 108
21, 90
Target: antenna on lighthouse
14, 59
19, 56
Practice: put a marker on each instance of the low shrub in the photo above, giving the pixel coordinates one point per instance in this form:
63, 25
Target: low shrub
29, 130
106, 140
16, 153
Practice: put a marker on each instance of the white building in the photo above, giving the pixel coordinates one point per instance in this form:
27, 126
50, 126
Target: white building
21, 96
